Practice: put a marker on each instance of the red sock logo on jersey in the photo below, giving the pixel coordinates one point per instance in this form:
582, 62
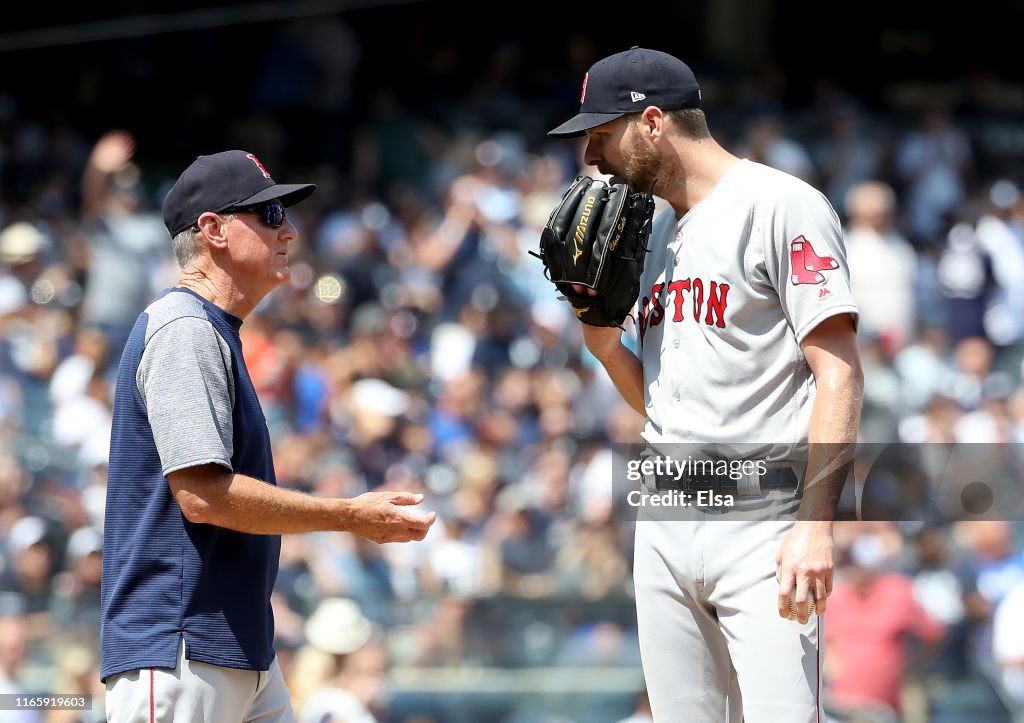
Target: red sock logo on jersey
806, 263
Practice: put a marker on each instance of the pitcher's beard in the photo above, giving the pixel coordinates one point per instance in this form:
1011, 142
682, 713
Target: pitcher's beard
641, 165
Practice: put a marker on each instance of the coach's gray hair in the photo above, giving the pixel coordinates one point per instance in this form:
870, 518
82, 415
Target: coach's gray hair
189, 243
187, 246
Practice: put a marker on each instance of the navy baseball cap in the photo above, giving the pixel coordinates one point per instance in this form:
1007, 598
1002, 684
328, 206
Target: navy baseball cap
628, 82
221, 181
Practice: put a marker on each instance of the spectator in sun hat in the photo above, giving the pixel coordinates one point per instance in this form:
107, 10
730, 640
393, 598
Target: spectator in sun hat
30, 563
21, 245
339, 628
76, 590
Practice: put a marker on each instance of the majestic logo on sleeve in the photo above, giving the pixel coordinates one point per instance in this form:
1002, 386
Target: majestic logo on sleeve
806, 264
708, 309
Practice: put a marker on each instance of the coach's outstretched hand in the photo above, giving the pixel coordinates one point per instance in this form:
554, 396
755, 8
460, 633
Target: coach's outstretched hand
388, 517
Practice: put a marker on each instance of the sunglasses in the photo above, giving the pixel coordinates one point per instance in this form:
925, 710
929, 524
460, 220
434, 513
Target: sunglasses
271, 214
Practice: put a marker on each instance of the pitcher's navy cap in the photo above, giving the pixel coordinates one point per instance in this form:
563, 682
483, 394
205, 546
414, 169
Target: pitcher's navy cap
628, 82
221, 181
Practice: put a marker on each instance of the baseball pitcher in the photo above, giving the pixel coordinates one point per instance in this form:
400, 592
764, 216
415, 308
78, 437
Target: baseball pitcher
747, 333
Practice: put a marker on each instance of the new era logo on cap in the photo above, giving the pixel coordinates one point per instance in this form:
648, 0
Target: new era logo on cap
613, 87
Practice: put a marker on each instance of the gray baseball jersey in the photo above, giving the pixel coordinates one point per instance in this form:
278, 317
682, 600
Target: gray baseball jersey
728, 293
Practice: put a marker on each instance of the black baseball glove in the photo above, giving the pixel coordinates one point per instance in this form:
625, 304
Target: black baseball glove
597, 237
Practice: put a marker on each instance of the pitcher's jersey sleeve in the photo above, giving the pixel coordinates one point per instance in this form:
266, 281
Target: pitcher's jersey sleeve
805, 256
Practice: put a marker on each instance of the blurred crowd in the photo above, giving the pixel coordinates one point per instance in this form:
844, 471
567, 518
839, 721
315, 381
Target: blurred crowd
418, 346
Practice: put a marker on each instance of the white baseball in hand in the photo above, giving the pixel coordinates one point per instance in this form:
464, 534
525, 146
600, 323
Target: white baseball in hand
793, 602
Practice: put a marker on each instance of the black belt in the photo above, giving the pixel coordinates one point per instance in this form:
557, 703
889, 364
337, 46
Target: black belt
776, 478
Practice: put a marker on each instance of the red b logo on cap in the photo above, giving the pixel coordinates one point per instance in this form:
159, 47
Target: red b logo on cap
259, 165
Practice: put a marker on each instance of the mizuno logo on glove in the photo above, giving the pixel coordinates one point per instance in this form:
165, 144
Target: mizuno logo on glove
581, 229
